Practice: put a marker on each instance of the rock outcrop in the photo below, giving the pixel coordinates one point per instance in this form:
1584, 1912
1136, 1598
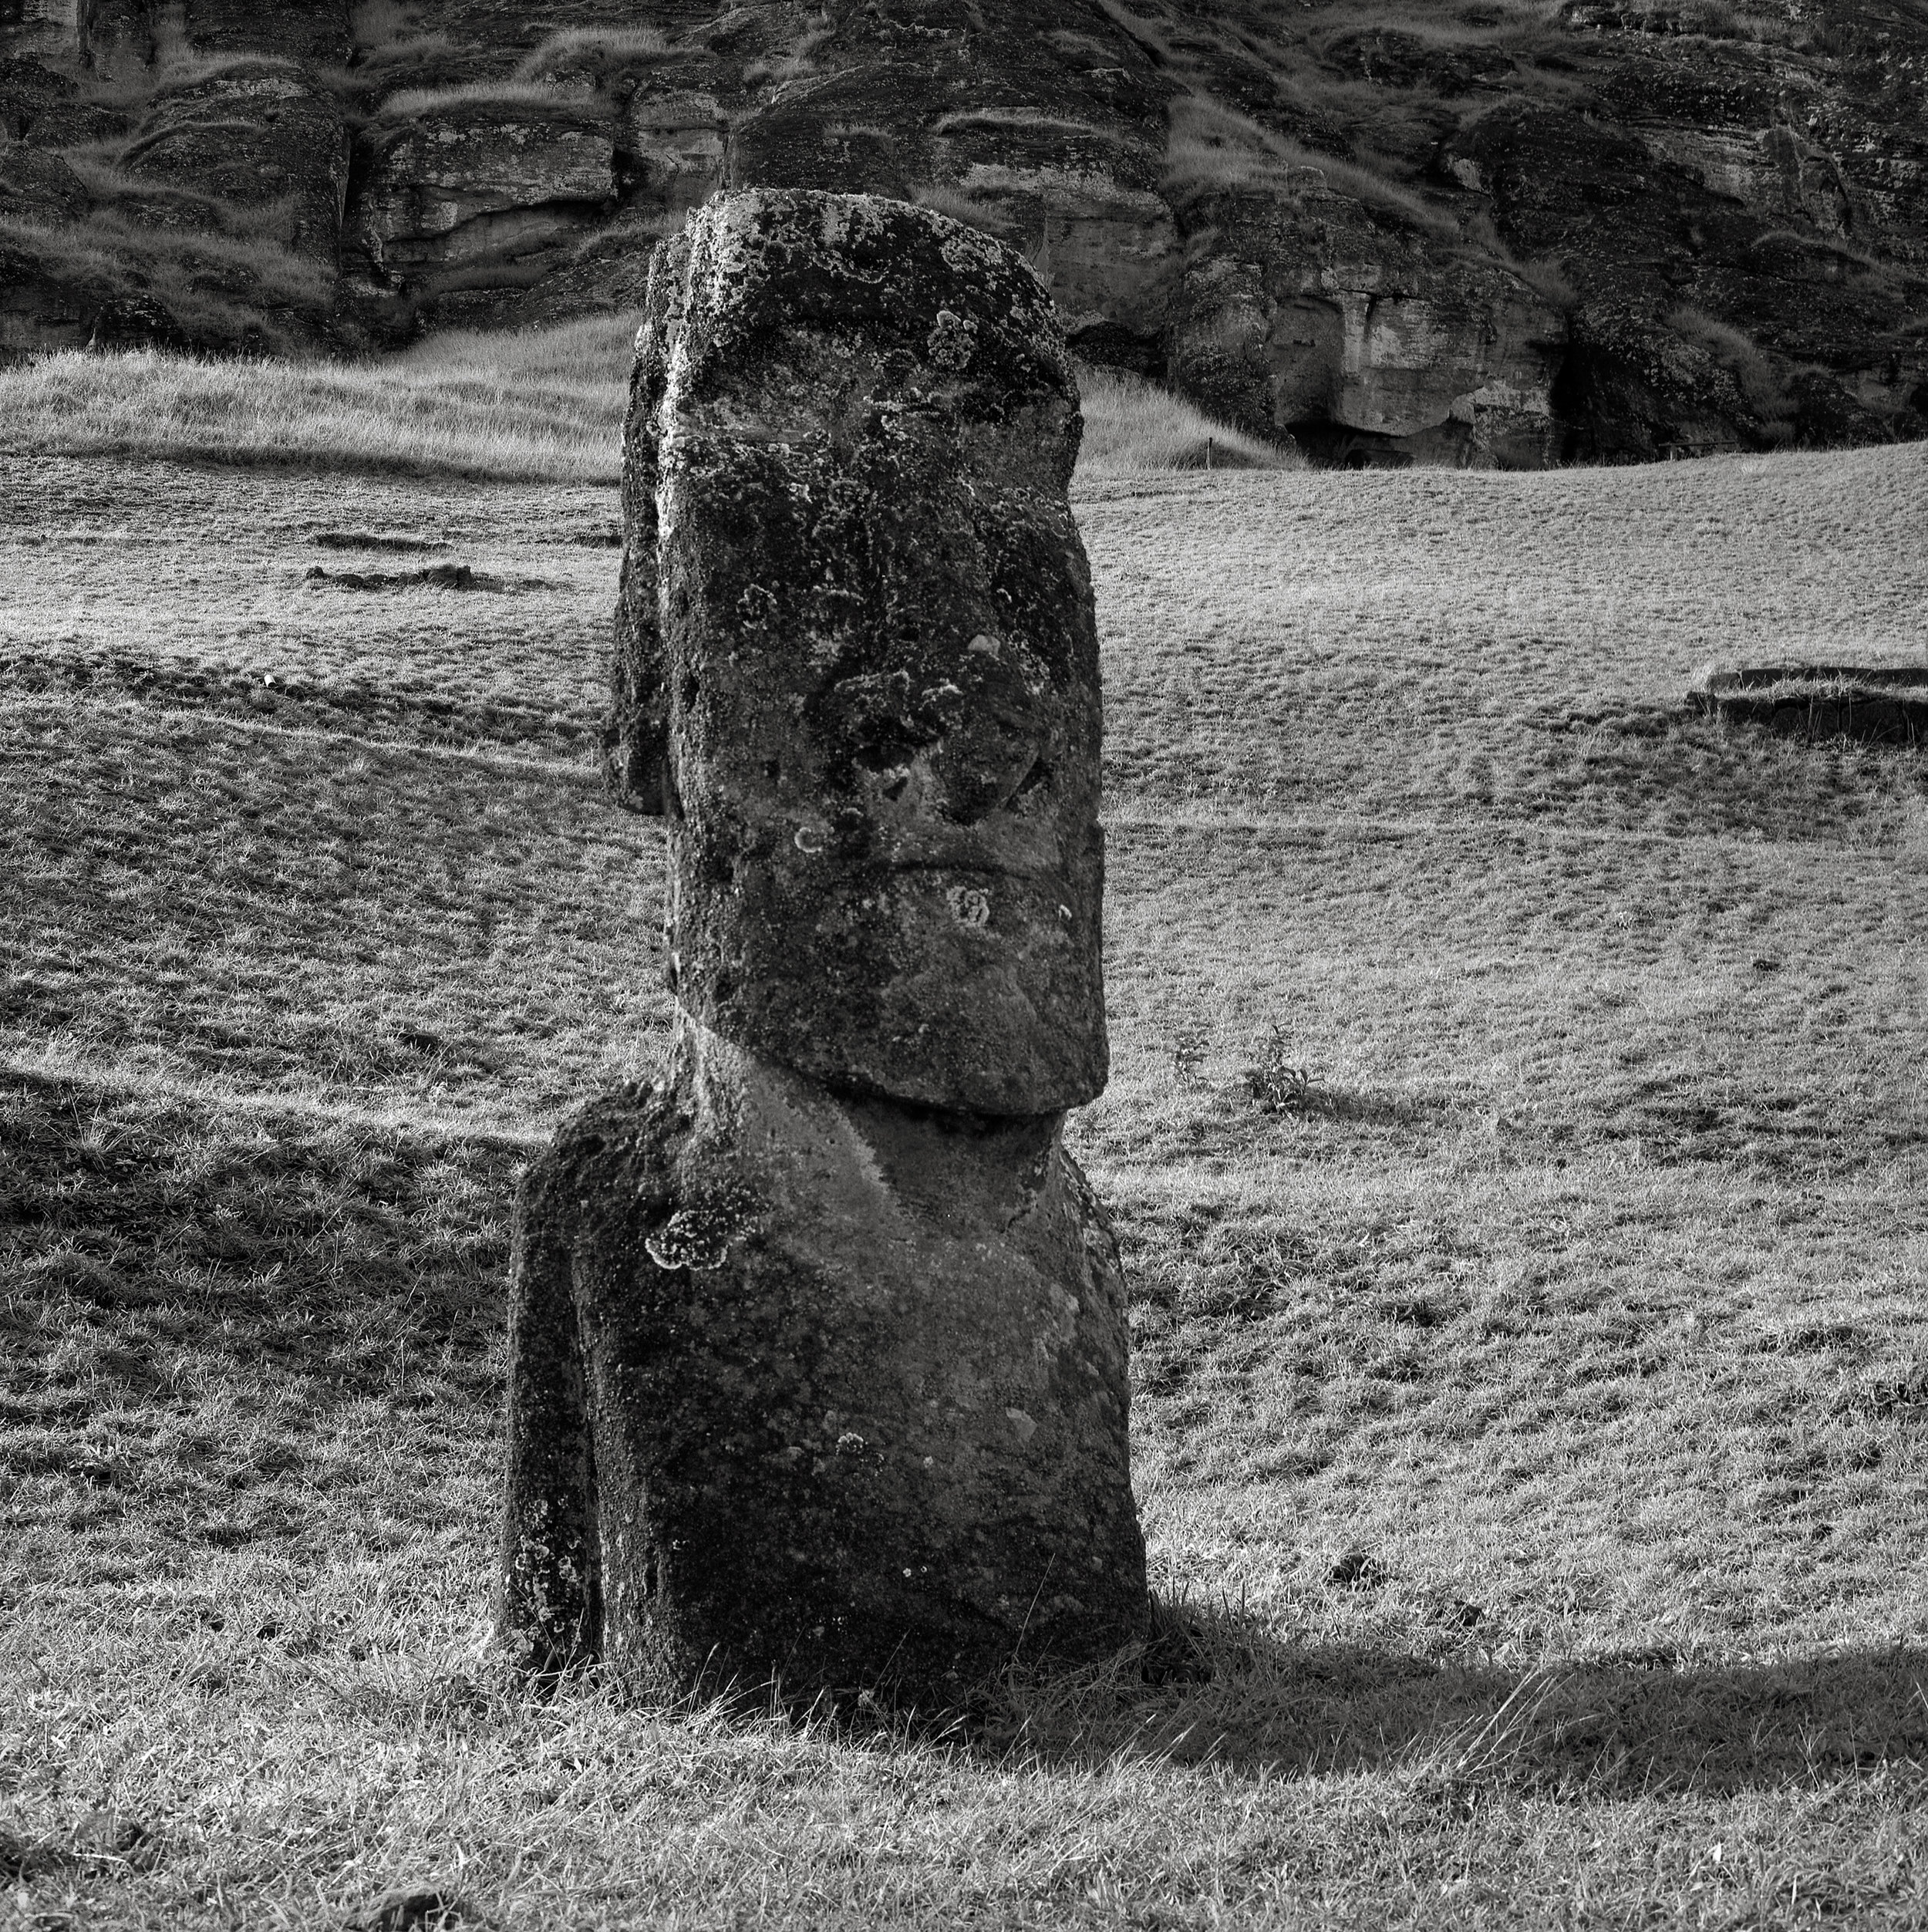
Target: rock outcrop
1368, 346
818, 1346
258, 135
502, 189
1617, 232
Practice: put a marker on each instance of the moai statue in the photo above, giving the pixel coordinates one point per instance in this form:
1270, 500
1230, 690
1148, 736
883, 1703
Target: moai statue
818, 1345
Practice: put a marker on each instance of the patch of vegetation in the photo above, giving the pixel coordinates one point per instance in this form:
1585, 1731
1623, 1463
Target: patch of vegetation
1133, 427
241, 287
530, 406
415, 103
592, 46
1213, 147
546, 405
1762, 379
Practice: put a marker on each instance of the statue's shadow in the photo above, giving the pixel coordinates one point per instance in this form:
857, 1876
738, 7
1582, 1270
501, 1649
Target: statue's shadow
1220, 1690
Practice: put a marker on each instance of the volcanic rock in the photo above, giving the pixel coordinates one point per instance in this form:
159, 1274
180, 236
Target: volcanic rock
507, 185
889, 863
1614, 233
39, 187
818, 1347
823, 1391
1367, 342
257, 135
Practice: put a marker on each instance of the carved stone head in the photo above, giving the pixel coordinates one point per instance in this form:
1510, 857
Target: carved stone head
857, 660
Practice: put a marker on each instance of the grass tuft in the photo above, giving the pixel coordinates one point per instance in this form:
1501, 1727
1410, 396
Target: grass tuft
417, 103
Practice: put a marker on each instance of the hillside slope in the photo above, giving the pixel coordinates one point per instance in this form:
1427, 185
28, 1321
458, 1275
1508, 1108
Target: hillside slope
1503, 233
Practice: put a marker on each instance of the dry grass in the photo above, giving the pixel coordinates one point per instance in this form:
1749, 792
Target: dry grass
1213, 147
540, 405
417, 103
544, 406
241, 286
1134, 427
1530, 1409
577, 45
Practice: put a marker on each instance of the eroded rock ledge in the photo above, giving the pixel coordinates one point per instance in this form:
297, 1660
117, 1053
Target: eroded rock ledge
1621, 233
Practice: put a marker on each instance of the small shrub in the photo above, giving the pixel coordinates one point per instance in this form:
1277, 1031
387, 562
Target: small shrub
1276, 1083
1189, 1045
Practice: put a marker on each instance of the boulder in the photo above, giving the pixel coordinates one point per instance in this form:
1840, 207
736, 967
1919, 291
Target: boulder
30, 92
44, 106
818, 1350
39, 187
35, 27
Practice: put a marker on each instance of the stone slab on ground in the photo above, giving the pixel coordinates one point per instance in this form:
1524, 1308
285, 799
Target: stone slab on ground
1882, 704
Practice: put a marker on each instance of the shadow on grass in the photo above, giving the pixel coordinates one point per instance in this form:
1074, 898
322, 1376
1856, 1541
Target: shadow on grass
1640, 1722
221, 1328
419, 715
1699, 777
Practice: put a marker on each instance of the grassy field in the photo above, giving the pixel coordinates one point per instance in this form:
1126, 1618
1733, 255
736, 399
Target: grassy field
1517, 1127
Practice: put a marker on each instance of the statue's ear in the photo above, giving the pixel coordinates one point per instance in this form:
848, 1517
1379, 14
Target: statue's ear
635, 738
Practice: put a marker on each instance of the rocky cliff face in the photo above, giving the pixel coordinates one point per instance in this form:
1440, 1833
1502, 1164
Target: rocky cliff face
1476, 235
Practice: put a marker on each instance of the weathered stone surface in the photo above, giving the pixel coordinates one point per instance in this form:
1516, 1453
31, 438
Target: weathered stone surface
256, 134
814, 1389
36, 26
115, 38
292, 29
1308, 316
484, 189
883, 732
818, 1352
30, 93
39, 187
671, 144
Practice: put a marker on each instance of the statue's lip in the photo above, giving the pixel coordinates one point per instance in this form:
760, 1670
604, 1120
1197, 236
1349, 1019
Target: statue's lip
968, 852
995, 868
